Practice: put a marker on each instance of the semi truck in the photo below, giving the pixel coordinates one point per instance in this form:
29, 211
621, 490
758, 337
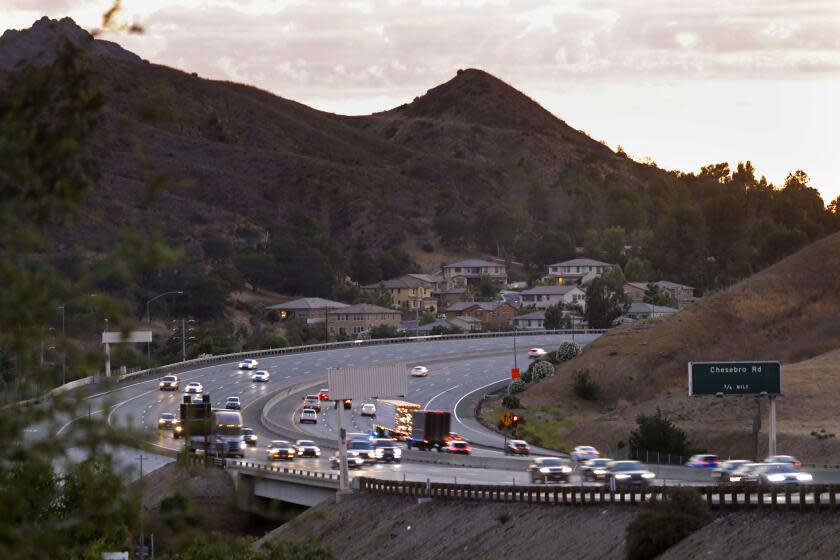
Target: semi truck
393, 418
429, 429
212, 432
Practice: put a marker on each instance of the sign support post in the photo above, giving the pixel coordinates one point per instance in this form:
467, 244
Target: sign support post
772, 443
343, 486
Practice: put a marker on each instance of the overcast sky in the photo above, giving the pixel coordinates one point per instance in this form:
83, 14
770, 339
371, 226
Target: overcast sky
686, 83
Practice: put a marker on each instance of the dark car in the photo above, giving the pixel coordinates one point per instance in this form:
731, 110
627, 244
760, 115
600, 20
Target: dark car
595, 469
232, 403
722, 472
167, 420
629, 472
248, 436
518, 447
387, 450
312, 401
549, 469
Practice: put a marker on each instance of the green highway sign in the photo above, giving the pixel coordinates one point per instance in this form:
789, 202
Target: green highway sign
734, 378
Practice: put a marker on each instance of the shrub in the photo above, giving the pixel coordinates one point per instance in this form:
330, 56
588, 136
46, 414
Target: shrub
659, 525
584, 386
567, 351
509, 401
516, 386
528, 375
503, 517
428, 247
542, 369
658, 433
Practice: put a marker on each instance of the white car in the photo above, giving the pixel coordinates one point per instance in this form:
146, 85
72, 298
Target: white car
419, 371
194, 387
368, 409
536, 353
308, 415
261, 376
307, 448
584, 453
248, 364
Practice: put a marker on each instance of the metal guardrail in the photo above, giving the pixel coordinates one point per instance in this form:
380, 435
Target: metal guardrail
263, 467
211, 360
803, 498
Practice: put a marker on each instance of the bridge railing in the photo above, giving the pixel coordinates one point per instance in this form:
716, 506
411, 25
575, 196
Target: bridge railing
799, 498
269, 468
237, 356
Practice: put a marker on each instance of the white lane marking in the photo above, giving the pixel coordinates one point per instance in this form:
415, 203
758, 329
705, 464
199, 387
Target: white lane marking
455, 408
439, 394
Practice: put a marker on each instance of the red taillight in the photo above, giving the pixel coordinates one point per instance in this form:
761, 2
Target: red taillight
798, 464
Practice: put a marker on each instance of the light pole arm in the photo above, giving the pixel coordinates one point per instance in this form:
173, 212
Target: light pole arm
149, 302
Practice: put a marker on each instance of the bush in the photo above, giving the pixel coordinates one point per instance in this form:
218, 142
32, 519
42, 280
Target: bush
527, 376
584, 386
428, 247
516, 386
567, 351
659, 525
509, 401
658, 433
542, 369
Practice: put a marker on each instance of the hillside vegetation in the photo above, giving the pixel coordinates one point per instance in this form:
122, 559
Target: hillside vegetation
787, 312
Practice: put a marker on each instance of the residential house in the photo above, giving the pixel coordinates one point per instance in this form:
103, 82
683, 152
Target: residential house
445, 298
490, 313
432, 281
576, 271
407, 292
640, 310
466, 323
351, 320
469, 272
530, 321
306, 310
681, 294
542, 297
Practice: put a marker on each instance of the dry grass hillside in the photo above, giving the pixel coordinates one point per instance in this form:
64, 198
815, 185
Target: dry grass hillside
787, 312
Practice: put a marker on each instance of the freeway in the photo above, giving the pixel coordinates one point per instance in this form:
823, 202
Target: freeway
460, 372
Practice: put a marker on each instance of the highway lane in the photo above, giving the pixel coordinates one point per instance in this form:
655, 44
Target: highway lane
139, 403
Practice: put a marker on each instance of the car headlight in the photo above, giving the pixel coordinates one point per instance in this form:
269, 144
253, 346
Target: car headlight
545, 470
775, 477
599, 471
566, 469
735, 479
242, 444
161, 384
178, 428
648, 475
397, 452
378, 452
622, 476
804, 477
161, 421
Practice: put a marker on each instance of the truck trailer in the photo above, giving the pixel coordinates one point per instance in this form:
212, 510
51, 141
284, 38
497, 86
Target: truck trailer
212, 432
429, 429
393, 418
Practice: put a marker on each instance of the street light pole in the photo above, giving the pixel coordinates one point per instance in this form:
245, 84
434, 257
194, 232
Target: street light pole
63, 348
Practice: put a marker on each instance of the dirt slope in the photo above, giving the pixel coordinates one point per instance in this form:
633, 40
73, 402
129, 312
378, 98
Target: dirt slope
787, 313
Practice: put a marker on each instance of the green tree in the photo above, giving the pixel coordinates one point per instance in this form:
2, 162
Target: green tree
554, 318
380, 296
660, 524
592, 243
658, 433
384, 331
486, 288
638, 270
656, 296
612, 242
605, 302
427, 317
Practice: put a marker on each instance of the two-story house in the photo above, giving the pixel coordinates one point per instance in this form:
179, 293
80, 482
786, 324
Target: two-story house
408, 292
469, 272
306, 310
351, 320
542, 297
490, 313
576, 271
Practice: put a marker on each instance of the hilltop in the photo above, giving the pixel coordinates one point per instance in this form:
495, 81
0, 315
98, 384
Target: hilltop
786, 312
